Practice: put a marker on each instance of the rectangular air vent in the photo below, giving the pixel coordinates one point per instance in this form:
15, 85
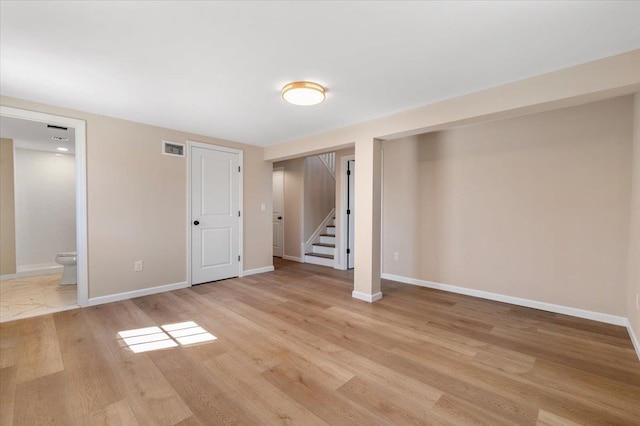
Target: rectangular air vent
172, 148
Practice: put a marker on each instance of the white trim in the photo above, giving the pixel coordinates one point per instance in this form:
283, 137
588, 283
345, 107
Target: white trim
284, 194
258, 270
187, 155
136, 293
308, 245
190, 144
367, 297
293, 258
38, 269
81, 187
634, 339
6, 277
33, 271
341, 226
302, 212
381, 210
544, 306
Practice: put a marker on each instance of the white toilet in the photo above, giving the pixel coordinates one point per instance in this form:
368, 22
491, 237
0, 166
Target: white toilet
68, 262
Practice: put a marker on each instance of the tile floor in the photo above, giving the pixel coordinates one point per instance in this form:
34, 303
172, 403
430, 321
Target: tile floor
28, 297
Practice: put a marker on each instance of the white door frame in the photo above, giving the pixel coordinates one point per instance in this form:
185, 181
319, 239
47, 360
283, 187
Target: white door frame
342, 217
203, 145
81, 187
283, 216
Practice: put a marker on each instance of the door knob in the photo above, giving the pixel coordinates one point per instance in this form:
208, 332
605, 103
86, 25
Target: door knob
195, 222
279, 217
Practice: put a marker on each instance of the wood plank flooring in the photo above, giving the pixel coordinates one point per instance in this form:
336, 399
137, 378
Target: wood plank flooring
293, 347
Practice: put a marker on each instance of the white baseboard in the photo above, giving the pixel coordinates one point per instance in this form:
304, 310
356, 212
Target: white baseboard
135, 293
293, 258
366, 297
6, 277
37, 267
35, 270
634, 339
257, 271
559, 309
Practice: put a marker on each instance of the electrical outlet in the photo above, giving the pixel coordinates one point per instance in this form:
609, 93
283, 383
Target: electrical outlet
263, 207
137, 266
396, 256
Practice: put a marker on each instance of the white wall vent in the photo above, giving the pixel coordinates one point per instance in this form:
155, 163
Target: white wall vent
173, 148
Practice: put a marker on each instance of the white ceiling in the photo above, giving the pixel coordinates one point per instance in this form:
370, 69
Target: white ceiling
34, 135
217, 68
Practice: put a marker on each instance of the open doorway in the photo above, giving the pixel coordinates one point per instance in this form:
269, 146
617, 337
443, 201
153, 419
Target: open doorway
314, 209
43, 267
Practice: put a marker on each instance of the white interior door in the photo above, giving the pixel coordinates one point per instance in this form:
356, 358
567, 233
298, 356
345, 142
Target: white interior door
215, 215
351, 202
278, 212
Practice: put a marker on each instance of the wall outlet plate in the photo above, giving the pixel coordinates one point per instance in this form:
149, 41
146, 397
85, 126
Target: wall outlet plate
137, 266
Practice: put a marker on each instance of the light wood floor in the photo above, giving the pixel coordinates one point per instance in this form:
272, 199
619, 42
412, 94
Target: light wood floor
293, 347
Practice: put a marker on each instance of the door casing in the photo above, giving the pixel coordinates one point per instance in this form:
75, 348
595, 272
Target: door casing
280, 169
341, 216
81, 188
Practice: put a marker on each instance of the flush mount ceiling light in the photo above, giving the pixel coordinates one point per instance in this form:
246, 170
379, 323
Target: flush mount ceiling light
303, 93
60, 148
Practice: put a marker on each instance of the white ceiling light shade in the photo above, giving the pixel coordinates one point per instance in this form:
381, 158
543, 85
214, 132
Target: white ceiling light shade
303, 93
60, 148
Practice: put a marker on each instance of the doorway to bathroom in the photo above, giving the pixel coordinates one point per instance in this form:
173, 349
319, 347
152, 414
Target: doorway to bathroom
43, 214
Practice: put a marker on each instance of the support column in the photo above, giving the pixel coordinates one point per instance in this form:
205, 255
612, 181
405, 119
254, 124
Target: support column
366, 281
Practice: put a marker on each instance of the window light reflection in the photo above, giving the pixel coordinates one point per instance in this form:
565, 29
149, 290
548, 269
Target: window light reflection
166, 336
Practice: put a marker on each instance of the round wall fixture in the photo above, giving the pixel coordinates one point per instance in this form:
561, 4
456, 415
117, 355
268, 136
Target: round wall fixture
303, 93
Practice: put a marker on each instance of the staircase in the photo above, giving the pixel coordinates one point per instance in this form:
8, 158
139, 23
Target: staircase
323, 251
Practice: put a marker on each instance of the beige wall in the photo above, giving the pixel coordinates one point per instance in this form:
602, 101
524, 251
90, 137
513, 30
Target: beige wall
137, 202
535, 207
319, 194
633, 285
293, 202
7, 209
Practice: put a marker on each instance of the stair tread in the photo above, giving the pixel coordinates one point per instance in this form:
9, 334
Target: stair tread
331, 226
326, 256
327, 235
324, 245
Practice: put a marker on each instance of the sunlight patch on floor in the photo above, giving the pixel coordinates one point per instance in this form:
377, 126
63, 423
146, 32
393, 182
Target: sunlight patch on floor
163, 337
